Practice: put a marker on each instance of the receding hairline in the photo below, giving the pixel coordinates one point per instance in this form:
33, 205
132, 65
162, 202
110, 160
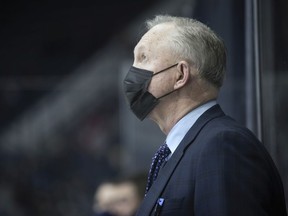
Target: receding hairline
162, 38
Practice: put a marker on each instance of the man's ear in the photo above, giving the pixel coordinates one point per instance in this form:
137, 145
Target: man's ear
183, 74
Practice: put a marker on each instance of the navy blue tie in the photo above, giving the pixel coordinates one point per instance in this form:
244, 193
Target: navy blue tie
158, 159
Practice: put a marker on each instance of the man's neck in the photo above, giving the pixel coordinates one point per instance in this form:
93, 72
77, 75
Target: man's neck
174, 113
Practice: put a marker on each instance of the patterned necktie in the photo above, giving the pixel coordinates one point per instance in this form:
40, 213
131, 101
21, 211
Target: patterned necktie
157, 161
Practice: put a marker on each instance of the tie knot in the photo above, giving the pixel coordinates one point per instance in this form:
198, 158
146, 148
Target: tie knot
164, 150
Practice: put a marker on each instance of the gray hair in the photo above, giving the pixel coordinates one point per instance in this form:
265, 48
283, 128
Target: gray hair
198, 44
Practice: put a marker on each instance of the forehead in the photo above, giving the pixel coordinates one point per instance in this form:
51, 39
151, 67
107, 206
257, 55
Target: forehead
156, 38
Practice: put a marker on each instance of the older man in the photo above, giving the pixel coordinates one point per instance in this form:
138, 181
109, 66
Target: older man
209, 164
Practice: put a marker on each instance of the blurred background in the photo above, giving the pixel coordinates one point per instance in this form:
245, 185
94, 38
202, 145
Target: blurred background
64, 125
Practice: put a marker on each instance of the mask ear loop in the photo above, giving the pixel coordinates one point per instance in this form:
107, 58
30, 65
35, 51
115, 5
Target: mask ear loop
165, 69
161, 72
166, 94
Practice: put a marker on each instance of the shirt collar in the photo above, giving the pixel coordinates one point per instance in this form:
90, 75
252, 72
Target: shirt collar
180, 129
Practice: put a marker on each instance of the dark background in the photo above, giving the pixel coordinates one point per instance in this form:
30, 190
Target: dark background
41, 43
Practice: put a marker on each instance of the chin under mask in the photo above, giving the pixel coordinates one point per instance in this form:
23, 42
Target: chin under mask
135, 85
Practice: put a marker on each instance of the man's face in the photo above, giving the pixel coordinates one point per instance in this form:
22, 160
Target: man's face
153, 53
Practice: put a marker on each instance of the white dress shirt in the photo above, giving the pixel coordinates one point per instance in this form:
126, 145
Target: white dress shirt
180, 129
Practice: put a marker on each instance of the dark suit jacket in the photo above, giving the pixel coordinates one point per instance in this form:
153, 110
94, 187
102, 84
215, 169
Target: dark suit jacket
219, 168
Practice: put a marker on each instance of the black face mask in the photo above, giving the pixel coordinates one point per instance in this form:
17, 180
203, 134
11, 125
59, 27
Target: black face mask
136, 84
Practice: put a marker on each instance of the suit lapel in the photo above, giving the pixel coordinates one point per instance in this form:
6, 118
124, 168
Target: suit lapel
166, 171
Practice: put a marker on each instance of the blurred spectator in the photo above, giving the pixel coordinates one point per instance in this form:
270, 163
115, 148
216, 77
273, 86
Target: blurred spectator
119, 198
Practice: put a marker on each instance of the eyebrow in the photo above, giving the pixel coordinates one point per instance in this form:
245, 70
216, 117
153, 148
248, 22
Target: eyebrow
139, 48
